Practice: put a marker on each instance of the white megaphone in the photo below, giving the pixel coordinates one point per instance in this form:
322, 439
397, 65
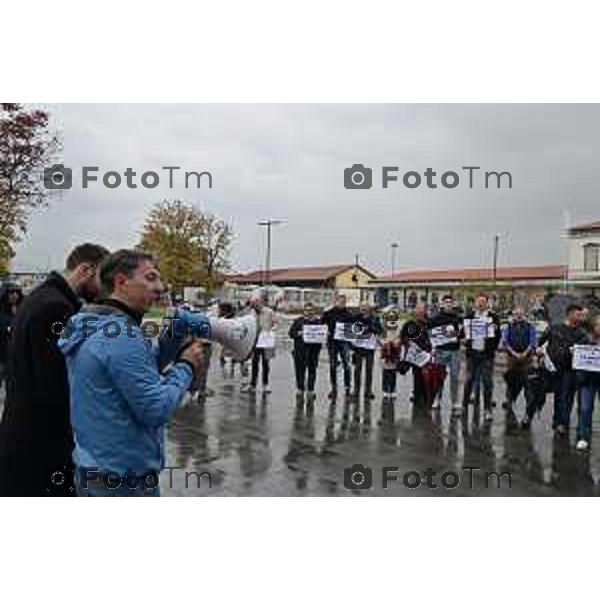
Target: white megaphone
237, 335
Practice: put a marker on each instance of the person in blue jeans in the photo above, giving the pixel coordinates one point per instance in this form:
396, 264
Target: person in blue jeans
589, 382
560, 339
446, 326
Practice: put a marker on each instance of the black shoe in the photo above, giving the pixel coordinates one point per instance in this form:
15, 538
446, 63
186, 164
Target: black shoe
526, 423
369, 396
332, 395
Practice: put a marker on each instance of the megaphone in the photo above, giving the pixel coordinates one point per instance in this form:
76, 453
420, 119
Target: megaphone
237, 335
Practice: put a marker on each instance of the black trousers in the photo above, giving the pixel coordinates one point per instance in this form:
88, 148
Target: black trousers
363, 356
259, 355
306, 361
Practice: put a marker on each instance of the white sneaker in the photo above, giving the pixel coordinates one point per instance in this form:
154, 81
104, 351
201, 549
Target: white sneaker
266, 390
457, 409
488, 415
582, 445
436, 404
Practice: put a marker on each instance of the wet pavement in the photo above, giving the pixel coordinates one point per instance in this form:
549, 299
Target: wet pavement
269, 445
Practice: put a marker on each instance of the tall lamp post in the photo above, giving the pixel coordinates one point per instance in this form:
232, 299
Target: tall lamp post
394, 247
268, 224
495, 270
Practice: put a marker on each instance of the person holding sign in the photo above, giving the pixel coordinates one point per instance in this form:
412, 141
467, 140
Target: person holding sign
482, 335
519, 340
308, 334
561, 338
416, 341
338, 320
444, 333
589, 382
391, 353
265, 346
365, 343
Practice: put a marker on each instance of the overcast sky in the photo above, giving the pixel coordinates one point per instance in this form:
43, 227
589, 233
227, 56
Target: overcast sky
287, 162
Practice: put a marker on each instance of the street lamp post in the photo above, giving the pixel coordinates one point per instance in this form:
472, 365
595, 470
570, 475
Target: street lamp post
495, 270
268, 224
394, 247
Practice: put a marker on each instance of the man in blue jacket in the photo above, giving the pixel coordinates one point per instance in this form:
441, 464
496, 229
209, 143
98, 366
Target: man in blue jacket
119, 400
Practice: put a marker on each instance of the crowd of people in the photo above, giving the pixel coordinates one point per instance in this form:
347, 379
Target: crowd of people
84, 407
430, 347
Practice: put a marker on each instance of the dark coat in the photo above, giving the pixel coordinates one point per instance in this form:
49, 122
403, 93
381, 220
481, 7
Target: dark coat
491, 344
35, 433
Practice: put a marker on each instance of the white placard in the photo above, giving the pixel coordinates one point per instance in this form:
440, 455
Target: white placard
416, 356
444, 334
314, 334
266, 339
479, 328
548, 364
369, 343
586, 357
339, 333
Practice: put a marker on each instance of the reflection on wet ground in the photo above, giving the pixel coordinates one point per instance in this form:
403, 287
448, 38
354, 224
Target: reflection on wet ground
272, 445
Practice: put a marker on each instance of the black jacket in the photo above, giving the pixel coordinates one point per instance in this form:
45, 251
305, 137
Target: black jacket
417, 332
295, 332
444, 319
491, 344
6, 321
336, 315
561, 338
35, 433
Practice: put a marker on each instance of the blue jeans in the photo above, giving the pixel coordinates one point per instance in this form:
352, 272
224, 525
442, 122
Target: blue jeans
564, 397
451, 360
587, 396
98, 489
480, 368
335, 348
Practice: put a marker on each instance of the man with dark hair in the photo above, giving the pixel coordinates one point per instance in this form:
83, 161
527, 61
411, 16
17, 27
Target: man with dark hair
560, 340
35, 435
519, 339
119, 400
337, 318
482, 334
445, 329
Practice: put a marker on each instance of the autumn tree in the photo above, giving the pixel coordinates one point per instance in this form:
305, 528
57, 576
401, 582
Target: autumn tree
192, 246
26, 147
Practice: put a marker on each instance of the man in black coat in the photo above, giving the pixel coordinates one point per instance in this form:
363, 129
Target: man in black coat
35, 433
481, 350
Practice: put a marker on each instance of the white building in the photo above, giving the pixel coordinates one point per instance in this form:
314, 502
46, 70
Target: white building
584, 258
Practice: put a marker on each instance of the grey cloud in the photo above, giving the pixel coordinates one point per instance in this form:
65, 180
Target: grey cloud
287, 161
